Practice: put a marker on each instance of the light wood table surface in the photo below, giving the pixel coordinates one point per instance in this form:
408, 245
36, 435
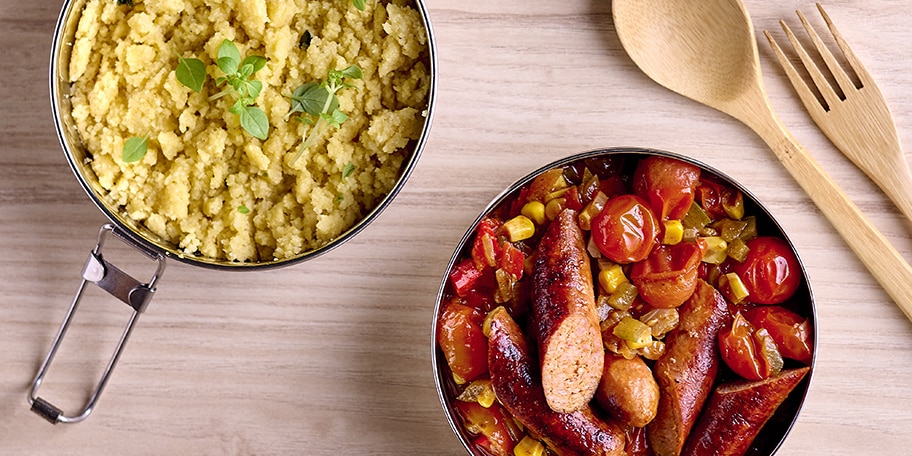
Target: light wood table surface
333, 356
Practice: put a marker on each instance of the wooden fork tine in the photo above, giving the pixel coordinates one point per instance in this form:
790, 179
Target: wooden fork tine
850, 57
823, 86
842, 79
804, 92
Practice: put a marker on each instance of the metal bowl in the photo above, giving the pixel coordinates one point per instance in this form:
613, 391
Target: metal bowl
76, 153
776, 429
138, 293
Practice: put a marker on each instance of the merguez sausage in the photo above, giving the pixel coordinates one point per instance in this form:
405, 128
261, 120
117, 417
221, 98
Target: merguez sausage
737, 411
515, 380
628, 390
570, 344
686, 371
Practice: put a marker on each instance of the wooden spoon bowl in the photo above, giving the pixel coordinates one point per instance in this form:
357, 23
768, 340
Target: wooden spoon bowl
706, 51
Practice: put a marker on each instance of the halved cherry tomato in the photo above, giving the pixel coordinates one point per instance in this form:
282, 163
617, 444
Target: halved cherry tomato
749, 352
668, 184
770, 272
494, 428
462, 340
791, 332
625, 230
719, 200
668, 276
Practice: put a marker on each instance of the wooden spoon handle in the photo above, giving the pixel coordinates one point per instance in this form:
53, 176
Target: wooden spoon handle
873, 249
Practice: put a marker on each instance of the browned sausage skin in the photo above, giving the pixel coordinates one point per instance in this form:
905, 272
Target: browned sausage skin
737, 411
685, 373
516, 383
628, 391
570, 344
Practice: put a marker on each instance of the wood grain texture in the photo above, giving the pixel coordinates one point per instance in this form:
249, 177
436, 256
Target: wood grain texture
333, 356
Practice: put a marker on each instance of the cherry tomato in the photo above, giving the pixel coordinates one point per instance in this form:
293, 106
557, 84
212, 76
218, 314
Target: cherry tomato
494, 428
462, 341
770, 272
625, 230
749, 352
791, 331
668, 276
720, 200
668, 184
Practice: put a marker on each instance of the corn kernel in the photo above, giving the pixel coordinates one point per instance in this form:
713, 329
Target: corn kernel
529, 447
634, 332
674, 232
535, 211
554, 208
610, 277
519, 228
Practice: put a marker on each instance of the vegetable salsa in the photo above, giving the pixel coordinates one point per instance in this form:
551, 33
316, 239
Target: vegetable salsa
654, 225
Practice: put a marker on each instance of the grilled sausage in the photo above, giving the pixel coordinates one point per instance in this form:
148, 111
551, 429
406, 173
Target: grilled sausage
737, 411
515, 379
628, 390
571, 351
685, 373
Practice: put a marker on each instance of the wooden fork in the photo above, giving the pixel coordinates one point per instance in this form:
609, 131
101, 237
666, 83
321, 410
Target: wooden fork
855, 118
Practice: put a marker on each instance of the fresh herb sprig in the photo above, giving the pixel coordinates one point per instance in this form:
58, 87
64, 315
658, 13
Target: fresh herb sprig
319, 104
359, 4
134, 149
191, 72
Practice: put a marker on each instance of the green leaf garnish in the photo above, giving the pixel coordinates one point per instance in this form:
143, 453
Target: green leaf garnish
229, 58
309, 98
359, 4
134, 149
243, 209
348, 170
254, 120
319, 101
191, 73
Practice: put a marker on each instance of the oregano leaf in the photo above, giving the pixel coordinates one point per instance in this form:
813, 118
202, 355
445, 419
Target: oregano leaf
255, 122
134, 149
229, 58
309, 98
258, 62
191, 73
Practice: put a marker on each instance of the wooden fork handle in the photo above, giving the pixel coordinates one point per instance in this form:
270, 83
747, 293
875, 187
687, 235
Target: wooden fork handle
873, 249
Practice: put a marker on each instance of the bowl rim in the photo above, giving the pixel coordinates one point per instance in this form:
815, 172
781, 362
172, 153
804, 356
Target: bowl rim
438, 364
60, 52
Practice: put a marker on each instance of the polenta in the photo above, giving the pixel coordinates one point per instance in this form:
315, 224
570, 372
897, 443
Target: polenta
205, 185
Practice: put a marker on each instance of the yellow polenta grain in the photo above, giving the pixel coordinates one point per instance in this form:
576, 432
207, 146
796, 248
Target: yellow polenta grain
201, 166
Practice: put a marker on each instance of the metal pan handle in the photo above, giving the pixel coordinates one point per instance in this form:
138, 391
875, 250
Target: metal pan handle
119, 284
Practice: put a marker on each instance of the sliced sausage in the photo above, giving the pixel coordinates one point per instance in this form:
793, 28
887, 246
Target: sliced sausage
516, 382
571, 351
628, 390
737, 411
685, 373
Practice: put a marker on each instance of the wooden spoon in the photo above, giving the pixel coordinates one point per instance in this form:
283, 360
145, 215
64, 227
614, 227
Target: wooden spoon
705, 50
